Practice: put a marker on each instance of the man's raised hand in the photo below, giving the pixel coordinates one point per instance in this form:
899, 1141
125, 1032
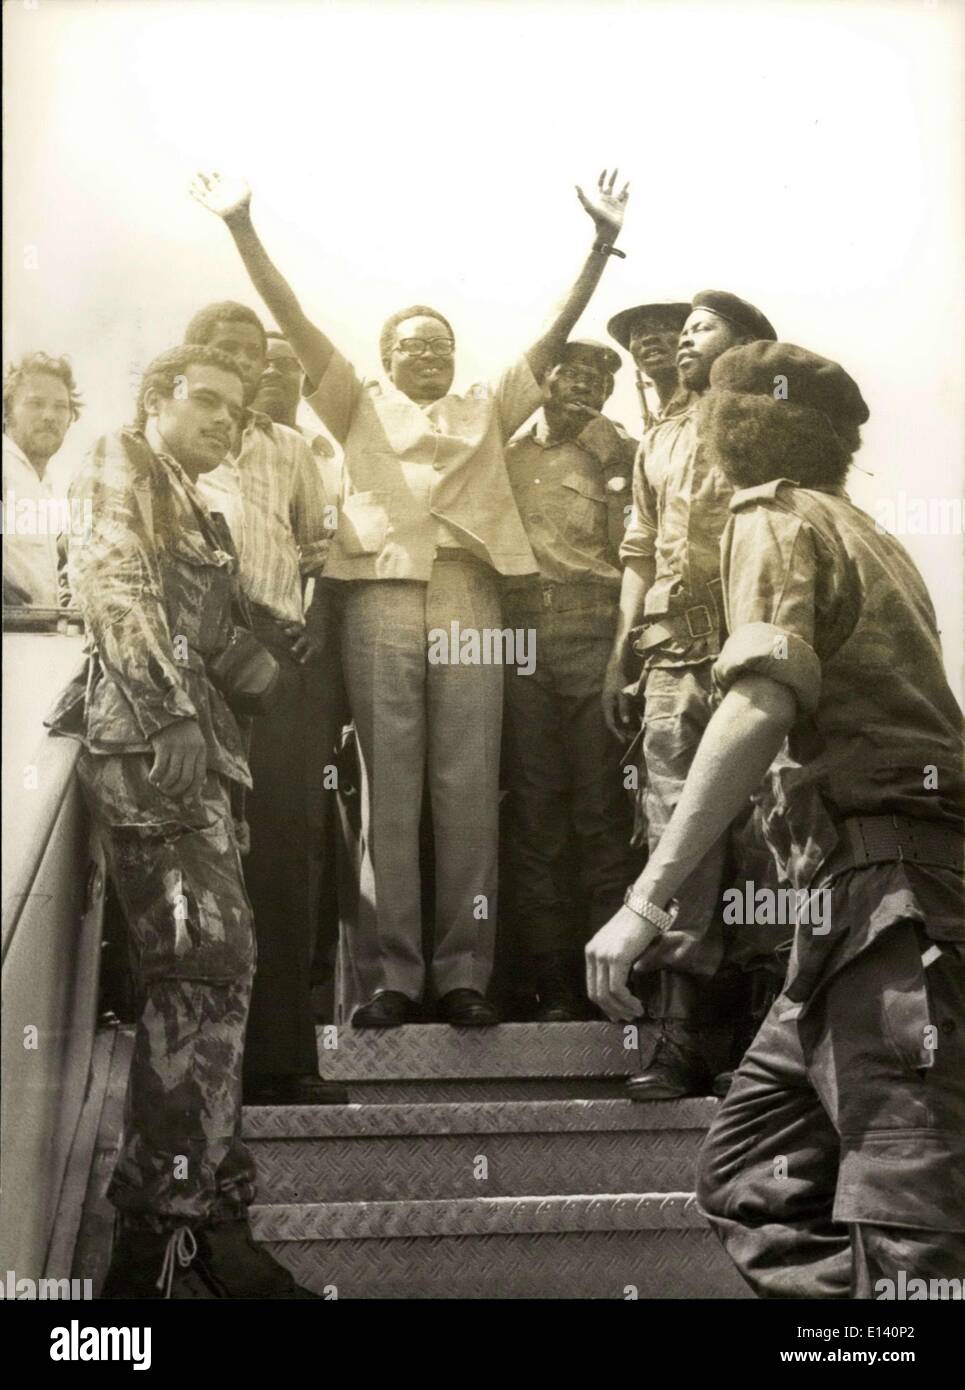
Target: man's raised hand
606, 207
221, 194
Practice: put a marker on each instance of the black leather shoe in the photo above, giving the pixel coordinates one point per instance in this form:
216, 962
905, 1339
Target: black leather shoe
294, 1090
676, 1070
467, 1008
388, 1008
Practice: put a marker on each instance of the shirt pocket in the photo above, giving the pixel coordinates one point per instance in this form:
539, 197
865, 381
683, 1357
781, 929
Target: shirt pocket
363, 523
585, 522
197, 592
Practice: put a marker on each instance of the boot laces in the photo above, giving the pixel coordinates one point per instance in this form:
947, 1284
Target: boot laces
178, 1253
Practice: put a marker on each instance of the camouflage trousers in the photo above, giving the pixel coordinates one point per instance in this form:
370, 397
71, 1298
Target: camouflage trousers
191, 938
678, 709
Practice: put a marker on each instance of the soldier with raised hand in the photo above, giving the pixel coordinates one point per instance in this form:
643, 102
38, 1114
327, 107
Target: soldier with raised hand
427, 525
162, 766
567, 807
836, 1163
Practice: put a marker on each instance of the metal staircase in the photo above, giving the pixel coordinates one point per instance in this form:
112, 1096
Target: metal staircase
499, 1163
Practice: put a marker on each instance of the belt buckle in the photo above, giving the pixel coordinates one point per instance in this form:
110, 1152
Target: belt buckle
548, 591
704, 632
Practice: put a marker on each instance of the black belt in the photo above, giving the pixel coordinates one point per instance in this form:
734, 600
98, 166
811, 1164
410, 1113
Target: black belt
560, 598
701, 620
867, 840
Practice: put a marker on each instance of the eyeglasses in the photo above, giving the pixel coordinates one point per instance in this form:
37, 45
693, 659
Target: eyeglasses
418, 347
585, 375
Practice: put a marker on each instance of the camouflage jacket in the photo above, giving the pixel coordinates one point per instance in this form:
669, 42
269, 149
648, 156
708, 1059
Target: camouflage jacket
156, 581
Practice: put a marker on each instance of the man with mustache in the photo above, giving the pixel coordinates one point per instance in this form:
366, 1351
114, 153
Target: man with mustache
671, 616
40, 403
569, 475
427, 524
650, 333
163, 767
270, 491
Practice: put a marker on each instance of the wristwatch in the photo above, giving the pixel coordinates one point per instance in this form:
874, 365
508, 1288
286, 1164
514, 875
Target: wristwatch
606, 248
636, 902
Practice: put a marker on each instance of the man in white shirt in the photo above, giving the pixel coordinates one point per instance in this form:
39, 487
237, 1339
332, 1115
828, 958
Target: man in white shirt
40, 403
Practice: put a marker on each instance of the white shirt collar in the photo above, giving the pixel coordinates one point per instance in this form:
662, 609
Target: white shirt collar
11, 445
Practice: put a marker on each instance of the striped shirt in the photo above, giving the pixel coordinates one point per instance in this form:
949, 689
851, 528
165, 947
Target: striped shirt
272, 497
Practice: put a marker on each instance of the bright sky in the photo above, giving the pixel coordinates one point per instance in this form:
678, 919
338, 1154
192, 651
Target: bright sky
806, 156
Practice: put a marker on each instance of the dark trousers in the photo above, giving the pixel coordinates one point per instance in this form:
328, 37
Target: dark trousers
290, 749
838, 1157
566, 782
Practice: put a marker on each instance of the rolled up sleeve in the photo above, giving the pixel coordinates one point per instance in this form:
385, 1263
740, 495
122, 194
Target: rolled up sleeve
640, 537
769, 570
517, 395
310, 514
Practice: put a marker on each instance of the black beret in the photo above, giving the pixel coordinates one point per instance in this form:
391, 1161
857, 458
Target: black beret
610, 360
736, 311
665, 315
811, 380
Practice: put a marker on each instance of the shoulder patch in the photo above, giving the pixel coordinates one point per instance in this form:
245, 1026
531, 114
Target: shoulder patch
764, 492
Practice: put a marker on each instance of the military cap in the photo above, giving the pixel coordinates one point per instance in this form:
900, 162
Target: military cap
610, 360
663, 316
754, 369
736, 311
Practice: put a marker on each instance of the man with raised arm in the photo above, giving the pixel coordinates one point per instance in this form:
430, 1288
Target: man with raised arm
427, 525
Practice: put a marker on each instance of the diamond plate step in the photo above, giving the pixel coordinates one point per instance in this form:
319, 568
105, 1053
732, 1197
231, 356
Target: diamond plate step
470, 1090
426, 1062
390, 1152
626, 1245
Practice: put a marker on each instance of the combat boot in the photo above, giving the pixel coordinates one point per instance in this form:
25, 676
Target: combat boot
154, 1264
234, 1265
678, 1067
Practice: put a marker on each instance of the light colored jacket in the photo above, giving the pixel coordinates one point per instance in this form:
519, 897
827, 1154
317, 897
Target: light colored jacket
409, 468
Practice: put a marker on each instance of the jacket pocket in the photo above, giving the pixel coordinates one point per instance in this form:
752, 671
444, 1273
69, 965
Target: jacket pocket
586, 509
905, 1005
363, 524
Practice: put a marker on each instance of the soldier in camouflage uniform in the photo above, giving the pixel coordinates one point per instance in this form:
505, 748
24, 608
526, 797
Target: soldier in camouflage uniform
671, 589
163, 767
836, 1164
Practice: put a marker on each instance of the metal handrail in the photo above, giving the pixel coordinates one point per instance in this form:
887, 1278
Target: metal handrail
30, 618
